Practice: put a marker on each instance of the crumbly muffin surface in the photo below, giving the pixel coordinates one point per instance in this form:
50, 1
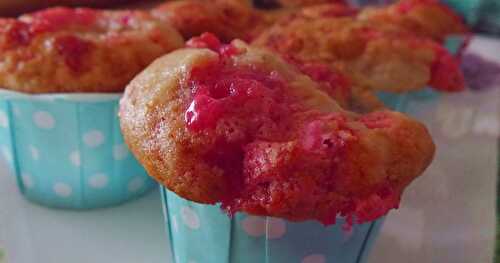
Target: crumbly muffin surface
371, 56
237, 125
80, 50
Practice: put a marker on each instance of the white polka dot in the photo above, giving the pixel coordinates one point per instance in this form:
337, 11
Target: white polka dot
254, 226
98, 180
7, 154
175, 226
74, 157
4, 120
44, 120
35, 154
62, 189
93, 138
135, 184
27, 180
314, 258
276, 228
190, 218
120, 152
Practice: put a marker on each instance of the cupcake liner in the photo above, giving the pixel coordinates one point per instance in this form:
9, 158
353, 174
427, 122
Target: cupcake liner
205, 233
401, 101
66, 150
468, 9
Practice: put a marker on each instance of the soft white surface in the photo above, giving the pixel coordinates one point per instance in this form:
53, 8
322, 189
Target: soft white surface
446, 215
130, 233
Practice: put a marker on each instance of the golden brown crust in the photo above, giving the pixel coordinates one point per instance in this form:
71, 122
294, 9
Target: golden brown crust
374, 57
301, 3
80, 50
167, 154
423, 18
427, 18
283, 177
228, 19
343, 42
14, 7
395, 48
163, 147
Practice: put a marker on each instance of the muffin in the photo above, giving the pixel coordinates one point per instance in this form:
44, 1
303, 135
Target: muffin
373, 57
425, 18
80, 50
237, 125
296, 3
228, 19
13, 7
386, 63
62, 72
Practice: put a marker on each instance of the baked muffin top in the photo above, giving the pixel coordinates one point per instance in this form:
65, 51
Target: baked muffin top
373, 56
80, 49
227, 19
238, 125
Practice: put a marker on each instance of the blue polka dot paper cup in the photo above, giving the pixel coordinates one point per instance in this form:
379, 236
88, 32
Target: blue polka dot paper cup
66, 150
205, 234
401, 102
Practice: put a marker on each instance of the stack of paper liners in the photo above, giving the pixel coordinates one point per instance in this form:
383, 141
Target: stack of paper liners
67, 151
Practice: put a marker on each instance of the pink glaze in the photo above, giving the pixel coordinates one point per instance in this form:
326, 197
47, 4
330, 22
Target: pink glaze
406, 6
267, 134
15, 33
340, 11
446, 74
210, 41
217, 88
73, 50
20, 32
125, 18
319, 138
54, 19
336, 83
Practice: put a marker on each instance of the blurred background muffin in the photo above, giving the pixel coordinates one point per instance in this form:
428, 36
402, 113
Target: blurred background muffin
15, 7
80, 50
62, 71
